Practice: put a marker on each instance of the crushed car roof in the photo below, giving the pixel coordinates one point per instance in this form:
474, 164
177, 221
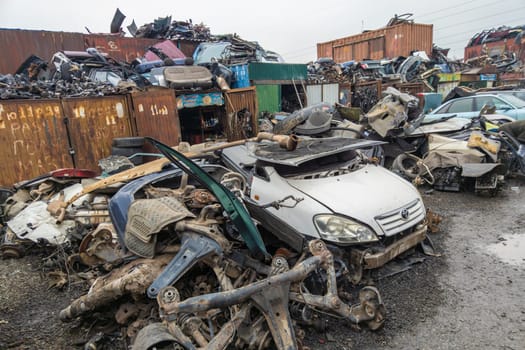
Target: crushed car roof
308, 149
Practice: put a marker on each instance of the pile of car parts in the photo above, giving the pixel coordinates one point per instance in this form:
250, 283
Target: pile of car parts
179, 241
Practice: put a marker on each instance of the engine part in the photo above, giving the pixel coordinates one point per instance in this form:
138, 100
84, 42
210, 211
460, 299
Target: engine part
133, 278
100, 246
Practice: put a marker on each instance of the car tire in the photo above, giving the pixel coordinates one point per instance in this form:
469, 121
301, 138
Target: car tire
128, 142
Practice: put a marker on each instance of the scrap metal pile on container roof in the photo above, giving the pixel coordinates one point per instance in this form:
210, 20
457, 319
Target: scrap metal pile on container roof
415, 68
164, 28
503, 47
161, 28
19, 87
67, 77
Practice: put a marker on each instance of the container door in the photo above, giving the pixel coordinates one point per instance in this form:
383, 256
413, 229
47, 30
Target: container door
269, 98
314, 94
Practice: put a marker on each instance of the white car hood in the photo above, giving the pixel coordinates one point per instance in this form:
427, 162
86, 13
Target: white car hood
366, 195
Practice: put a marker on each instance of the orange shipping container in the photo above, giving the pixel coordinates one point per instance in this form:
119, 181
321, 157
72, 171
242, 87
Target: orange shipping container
387, 42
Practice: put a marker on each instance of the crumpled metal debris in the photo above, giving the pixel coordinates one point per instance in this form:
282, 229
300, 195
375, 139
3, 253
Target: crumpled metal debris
211, 298
394, 113
164, 27
20, 87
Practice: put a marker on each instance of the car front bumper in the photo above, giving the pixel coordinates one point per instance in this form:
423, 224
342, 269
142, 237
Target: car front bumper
374, 260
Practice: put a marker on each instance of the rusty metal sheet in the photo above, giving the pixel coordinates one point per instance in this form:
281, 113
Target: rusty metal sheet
187, 46
20, 44
156, 115
236, 100
34, 139
120, 48
93, 122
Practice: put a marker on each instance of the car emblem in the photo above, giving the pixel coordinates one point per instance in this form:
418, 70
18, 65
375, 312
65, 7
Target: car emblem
404, 213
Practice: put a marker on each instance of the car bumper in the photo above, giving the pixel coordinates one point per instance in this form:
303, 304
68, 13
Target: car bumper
375, 260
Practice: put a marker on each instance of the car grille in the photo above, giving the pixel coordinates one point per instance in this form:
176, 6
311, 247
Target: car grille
402, 218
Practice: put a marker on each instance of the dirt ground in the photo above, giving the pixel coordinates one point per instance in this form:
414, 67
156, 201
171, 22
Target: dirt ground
472, 297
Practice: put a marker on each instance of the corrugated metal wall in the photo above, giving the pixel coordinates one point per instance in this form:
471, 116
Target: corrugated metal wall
43, 135
236, 100
269, 98
276, 71
93, 123
156, 115
34, 139
331, 93
322, 93
17, 45
20, 44
388, 42
314, 94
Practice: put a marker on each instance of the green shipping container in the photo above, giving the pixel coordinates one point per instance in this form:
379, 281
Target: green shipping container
269, 98
276, 71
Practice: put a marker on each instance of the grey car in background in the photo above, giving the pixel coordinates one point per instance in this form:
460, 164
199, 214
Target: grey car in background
470, 106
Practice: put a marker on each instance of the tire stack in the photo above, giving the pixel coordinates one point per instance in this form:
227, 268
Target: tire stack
127, 147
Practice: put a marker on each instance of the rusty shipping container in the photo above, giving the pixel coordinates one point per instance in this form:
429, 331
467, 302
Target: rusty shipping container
34, 139
387, 42
120, 48
20, 44
17, 45
156, 115
93, 122
235, 101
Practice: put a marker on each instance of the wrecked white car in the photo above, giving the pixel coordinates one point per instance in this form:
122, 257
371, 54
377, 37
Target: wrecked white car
328, 188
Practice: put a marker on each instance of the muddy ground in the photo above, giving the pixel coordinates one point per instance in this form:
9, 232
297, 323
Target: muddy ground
472, 297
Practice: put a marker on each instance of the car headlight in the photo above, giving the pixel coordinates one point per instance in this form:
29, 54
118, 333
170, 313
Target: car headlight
338, 229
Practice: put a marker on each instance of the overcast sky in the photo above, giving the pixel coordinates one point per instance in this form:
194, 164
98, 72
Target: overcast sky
292, 28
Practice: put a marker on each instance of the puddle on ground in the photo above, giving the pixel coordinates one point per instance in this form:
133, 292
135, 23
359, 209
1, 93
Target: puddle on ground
510, 250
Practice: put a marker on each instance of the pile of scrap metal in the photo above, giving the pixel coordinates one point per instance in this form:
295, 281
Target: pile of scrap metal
165, 28
325, 70
230, 49
505, 59
175, 258
415, 68
161, 28
456, 154
450, 154
20, 87
70, 74
497, 34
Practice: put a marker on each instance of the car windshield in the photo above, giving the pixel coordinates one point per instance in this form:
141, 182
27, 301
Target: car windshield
206, 52
516, 102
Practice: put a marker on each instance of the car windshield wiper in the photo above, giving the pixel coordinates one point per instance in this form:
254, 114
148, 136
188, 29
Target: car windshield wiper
442, 119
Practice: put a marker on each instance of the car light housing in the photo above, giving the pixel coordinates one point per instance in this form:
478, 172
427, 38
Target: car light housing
342, 230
